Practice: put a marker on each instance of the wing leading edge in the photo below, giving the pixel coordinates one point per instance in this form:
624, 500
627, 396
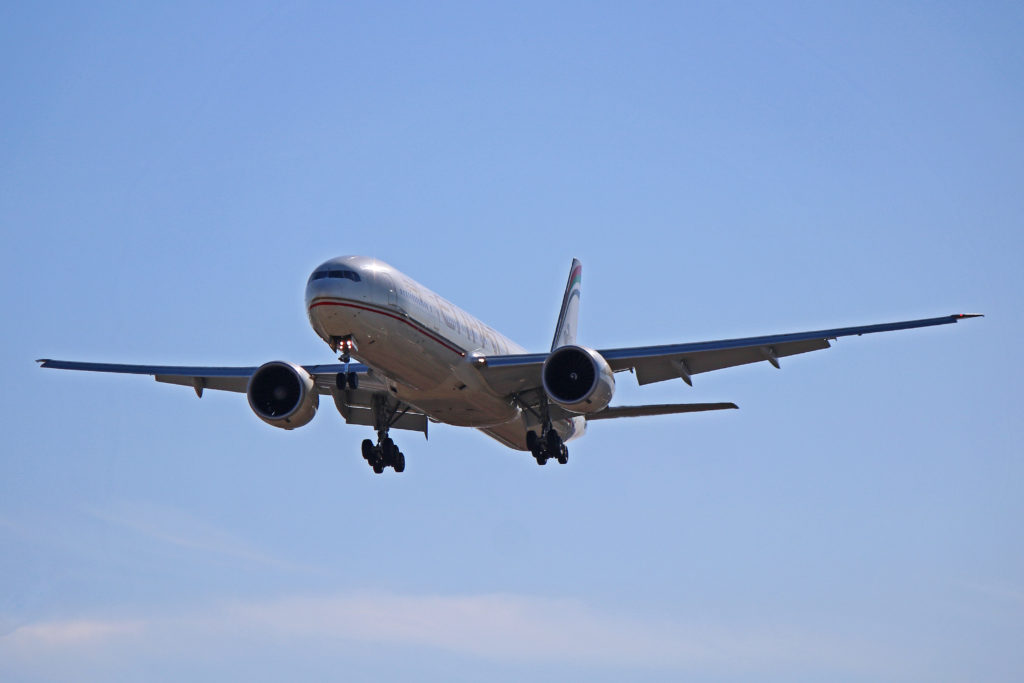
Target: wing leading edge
513, 373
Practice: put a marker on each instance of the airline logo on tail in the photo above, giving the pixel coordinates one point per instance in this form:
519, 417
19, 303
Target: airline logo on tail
565, 331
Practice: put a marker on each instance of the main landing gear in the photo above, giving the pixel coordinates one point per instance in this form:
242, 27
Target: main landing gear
384, 453
547, 446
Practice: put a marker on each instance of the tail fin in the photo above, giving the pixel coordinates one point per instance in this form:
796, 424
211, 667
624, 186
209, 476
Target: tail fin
565, 331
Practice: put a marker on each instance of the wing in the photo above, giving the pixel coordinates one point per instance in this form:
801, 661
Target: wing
354, 405
217, 378
612, 412
517, 373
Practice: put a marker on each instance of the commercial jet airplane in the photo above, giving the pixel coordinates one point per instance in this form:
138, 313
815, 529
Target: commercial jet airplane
422, 359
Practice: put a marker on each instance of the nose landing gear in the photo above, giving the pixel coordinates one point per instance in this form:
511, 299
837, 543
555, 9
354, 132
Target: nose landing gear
344, 346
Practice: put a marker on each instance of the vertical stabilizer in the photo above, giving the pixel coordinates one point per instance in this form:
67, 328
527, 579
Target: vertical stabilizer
565, 331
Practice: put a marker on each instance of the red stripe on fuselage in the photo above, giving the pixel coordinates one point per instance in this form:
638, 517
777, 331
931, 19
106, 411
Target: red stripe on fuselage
363, 307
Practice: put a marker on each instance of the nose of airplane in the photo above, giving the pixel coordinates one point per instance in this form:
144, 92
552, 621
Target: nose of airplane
331, 277
329, 288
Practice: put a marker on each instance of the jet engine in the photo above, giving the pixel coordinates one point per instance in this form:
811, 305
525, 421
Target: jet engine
578, 379
283, 394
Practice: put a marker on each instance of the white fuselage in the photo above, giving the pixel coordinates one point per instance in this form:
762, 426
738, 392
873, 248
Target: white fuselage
420, 344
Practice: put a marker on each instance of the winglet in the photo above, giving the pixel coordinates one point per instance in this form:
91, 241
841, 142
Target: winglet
565, 330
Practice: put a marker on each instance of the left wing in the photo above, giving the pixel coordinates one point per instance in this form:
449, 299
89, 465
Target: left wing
612, 412
516, 373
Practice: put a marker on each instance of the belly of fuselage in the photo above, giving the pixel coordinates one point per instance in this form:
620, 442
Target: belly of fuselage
424, 369
387, 342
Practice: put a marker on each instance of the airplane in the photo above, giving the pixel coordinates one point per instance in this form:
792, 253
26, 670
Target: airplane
422, 359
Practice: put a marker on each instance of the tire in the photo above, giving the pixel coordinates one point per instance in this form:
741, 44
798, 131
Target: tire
368, 454
378, 468
399, 462
531, 441
353, 381
553, 442
388, 452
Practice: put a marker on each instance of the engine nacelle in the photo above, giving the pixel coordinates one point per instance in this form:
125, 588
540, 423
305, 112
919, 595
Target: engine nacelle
283, 394
578, 379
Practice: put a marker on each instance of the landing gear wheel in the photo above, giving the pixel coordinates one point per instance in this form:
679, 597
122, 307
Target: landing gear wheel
399, 463
369, 451
563, 455
378, 467
536, 447
553, 442
352, 379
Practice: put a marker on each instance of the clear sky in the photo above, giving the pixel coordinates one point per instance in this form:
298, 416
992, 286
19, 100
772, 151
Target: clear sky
171, 173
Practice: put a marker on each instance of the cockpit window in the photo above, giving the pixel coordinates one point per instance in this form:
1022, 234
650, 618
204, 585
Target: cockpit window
340, 274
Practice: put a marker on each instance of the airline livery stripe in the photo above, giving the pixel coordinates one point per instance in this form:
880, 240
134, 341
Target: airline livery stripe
364, 307
574, 278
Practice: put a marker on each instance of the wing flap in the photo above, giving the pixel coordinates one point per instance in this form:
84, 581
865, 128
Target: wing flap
356, 407
203, 382
414, 422
613, 412
657, 369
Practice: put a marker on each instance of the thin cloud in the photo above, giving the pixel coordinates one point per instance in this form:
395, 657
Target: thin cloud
76, 632
497, 627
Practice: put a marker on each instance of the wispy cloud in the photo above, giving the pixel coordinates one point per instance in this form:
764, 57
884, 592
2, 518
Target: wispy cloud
513, 627
497, 627
74, 632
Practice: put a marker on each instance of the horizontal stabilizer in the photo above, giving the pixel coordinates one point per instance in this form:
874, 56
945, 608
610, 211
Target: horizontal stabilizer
612, 412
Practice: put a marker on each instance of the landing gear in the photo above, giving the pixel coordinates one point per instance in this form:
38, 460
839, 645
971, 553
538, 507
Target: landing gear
548, 446
384, 453
548, 443
345, 346
347, 381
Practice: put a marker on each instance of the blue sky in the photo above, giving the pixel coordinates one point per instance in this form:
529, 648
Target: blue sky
169, 176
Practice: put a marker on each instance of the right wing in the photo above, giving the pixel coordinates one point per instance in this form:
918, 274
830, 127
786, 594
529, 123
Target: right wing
217, 378
355, 405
